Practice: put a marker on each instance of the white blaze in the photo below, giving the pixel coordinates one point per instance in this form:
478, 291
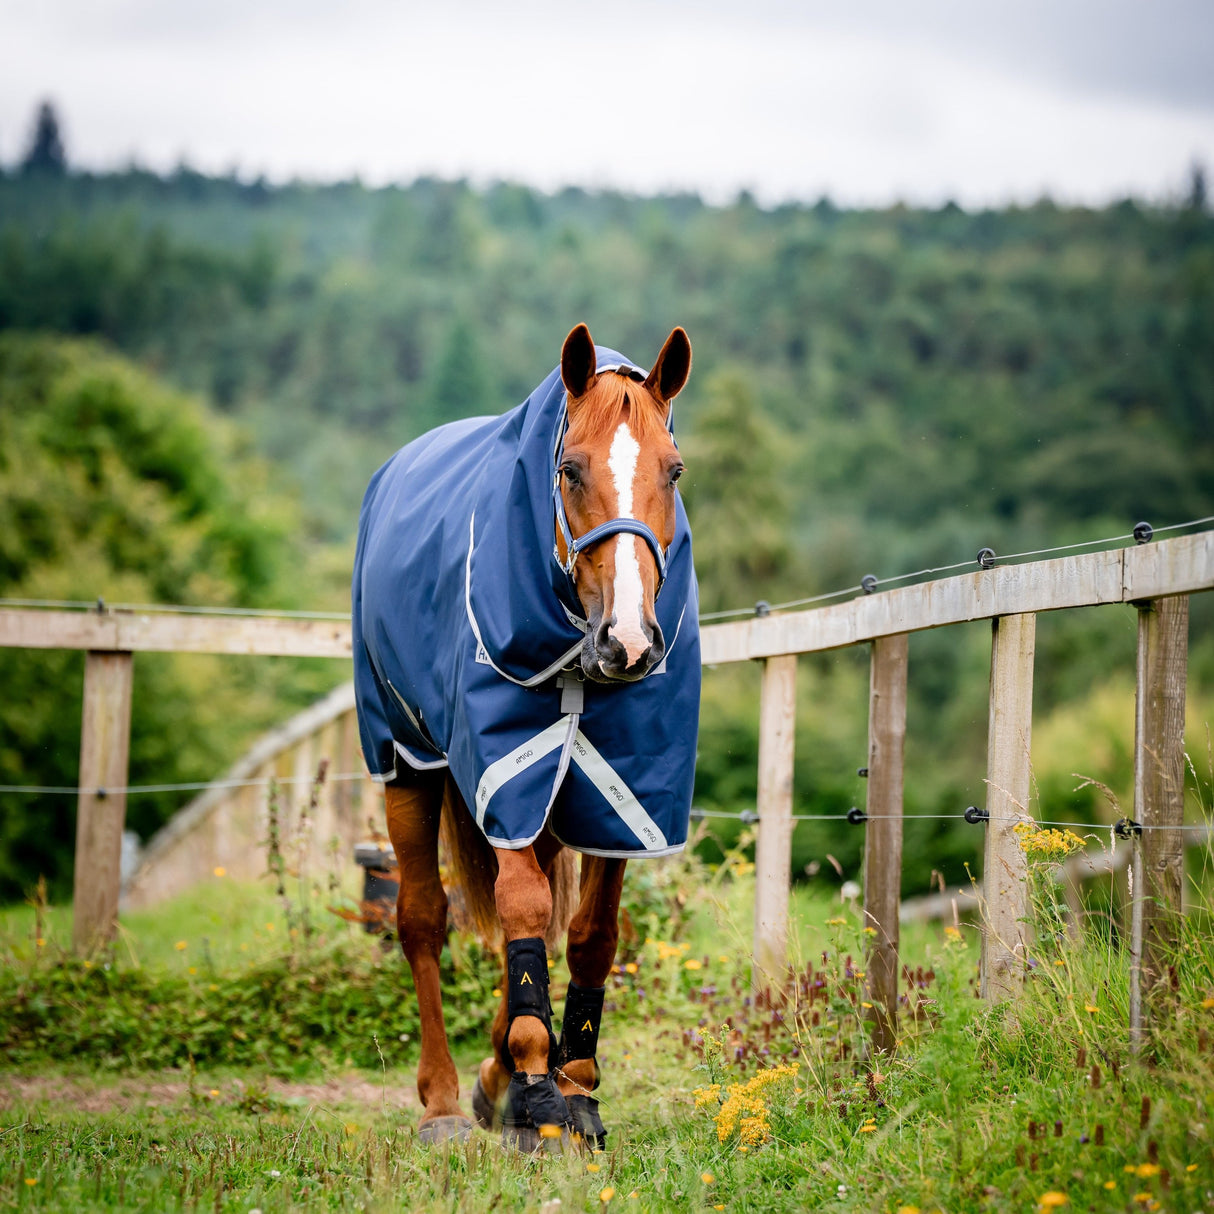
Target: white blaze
628, 593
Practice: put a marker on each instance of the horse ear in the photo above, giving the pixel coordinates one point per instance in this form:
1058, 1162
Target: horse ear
670, 372
578, 361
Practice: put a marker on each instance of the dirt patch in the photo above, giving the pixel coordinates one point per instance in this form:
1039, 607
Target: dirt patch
167, 1090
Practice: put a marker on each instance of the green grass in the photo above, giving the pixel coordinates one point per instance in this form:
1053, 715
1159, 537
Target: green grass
980, 1109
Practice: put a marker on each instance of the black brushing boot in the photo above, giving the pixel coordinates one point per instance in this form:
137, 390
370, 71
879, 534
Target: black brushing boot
580, 1040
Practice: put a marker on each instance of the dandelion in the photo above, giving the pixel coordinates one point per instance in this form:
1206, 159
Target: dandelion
1088, 1007
180, 946
1191, 1168
220, 871
1205, 1003
908, 1210
592, 1167
41, 943
1144, 1171
1110, 1184
550, 1130
214, 1091
269, 927
1052, 1200
707, 1177
692, 964
192, 970
31, 1181
724, 958
865, 1003
1143, 1198
631, 967
605, 1195
497, 992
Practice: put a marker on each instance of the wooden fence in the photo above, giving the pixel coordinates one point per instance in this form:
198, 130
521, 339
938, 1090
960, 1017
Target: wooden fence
1154, 578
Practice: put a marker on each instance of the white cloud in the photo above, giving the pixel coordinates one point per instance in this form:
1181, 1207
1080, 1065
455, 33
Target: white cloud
784, 104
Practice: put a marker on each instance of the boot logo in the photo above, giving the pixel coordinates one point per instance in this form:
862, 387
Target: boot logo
525, 980
587, 1027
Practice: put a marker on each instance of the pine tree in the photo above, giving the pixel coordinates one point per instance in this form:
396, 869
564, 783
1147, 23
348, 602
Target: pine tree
46, 154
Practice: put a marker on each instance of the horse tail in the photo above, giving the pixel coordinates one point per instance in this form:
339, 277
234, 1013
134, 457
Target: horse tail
472, 873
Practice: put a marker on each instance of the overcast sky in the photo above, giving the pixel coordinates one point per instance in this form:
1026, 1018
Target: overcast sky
869, 102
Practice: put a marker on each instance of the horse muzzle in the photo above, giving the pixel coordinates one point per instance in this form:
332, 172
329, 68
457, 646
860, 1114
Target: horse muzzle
606, 659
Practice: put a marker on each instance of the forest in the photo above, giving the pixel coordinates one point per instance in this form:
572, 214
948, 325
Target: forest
198, 375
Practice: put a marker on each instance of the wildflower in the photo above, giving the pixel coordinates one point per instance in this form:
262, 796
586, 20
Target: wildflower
351, 1128
707, 1095
180, 946
1205, 1003
550, 1130
872, 931
633, 1195
836, 922
592, 1167
1046, 844
1052, 1200
1110, 1184
41, 943
192, 970
707, 1177
220, 871
1144, 1171
723, 958
721, 1206
952, 933
605, 1195
497, 992
214, 1091
866, 1129
1144, 1199
1059, 962
745, 1107
631, 967
1191, 1167
269, 927
1087, 1007
908, 1210
31, 1180
865, 1003
692, 964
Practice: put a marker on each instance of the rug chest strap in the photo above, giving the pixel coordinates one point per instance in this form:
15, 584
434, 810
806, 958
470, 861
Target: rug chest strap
527, 991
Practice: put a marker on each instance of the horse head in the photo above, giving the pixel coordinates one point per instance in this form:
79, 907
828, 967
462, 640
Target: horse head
616, 489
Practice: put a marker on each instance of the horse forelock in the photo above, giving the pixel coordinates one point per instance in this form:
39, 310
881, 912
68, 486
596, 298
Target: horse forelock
614, 398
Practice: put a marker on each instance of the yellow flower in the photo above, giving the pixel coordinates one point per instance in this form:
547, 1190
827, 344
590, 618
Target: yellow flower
872, 931
908, 1210
605, 1195
41, 943
865, 1003
220, 871
631, 967
719, 1207
692, 964
550, 1130
836, 922
1087, 1007
707, 1177
1205, 1003
707, 1095
1191, 1167
723, 958
633, 1195
592, 1167
269, 927
1143, 1198
351, 1128
31, 1180
212, 987
192, 970
1052, 1200
1110, 1184
952, 933
1144, 1171
497, 992
180, 945
866, 1129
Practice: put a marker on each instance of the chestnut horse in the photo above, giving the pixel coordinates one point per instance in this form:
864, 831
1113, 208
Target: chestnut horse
525, 688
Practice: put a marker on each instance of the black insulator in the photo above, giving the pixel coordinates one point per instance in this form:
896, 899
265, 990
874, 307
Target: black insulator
974, 815
868, 583
101, 606
1143, 533
986, 558
856, 816
862, 772
762, 608
1126, 828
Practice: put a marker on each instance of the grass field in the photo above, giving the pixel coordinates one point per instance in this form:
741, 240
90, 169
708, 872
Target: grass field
223, 1062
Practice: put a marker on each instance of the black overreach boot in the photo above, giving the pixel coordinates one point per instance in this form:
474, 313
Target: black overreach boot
532, 1101
580, 1039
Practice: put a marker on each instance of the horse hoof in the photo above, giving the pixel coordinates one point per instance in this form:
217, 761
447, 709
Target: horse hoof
483, 1108
535, 1116
584, 1113
444, 1129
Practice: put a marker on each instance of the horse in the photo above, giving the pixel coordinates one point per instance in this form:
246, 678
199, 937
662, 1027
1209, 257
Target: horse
527, 674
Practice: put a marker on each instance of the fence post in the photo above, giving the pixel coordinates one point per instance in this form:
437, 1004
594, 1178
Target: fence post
1009, 779
883, 832
105, 744
1157, 873
773, 847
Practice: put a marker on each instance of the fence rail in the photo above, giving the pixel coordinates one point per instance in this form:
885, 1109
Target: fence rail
1154, 578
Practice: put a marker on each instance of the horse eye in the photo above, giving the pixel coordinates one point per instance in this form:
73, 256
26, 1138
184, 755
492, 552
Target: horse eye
676, 473
571, 474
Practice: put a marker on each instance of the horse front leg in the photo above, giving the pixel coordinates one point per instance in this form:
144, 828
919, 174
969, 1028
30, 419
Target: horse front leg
524, 905
413, 810
594, 934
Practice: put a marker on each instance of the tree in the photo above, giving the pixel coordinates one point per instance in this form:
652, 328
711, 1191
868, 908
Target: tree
46, 154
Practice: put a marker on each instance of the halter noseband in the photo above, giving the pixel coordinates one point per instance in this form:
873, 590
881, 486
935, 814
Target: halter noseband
613, 526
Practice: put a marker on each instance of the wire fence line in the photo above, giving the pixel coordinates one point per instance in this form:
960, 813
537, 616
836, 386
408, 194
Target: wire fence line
868, 584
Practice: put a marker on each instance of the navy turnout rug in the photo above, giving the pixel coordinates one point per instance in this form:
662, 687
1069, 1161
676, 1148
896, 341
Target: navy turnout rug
466, 640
